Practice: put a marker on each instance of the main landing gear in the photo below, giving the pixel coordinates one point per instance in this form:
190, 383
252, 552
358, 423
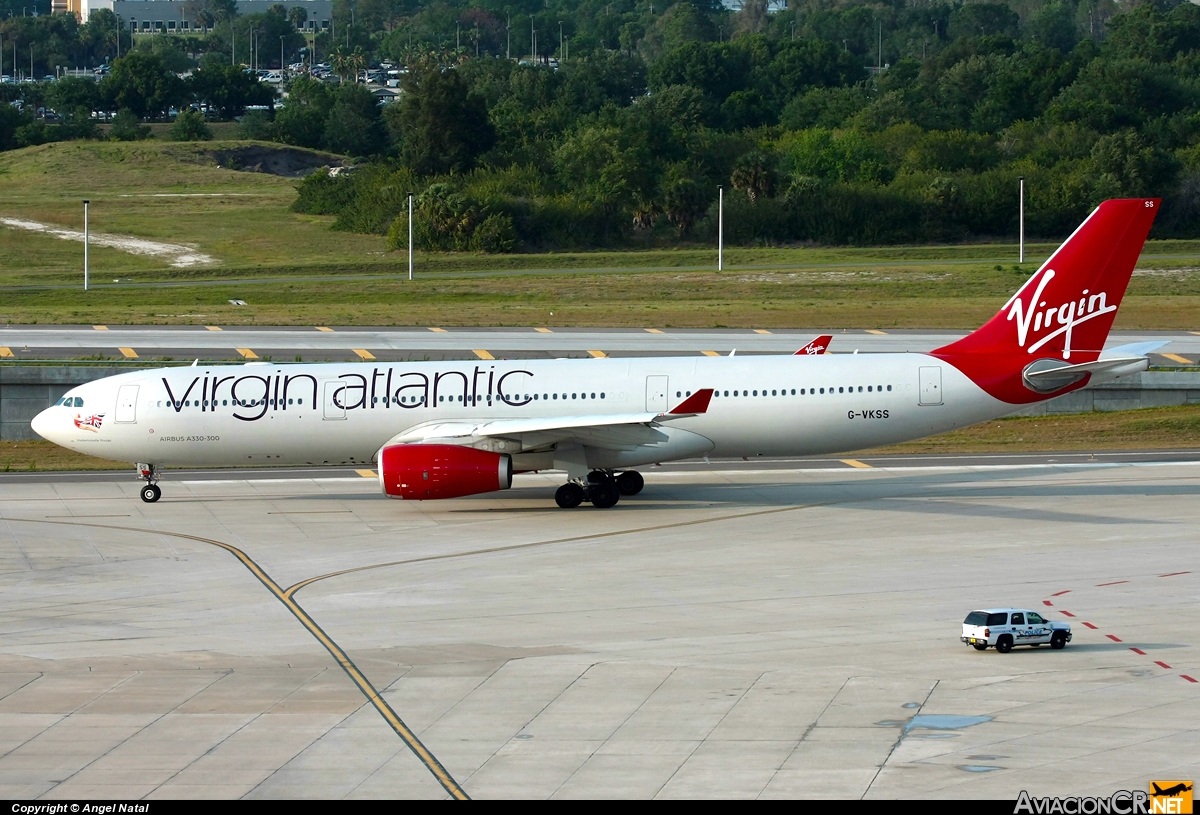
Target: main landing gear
149, 474
604, 489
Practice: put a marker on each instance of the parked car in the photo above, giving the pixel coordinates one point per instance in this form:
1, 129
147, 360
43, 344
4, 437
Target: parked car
1004, 628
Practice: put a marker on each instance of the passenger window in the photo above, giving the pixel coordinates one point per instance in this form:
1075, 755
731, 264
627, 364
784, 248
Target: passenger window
726, 393
1035, 619
860, 388
889, 387
868, 388
756, 393
793, 391
593, 396
772, 393
841, 390
1018, 619
997, 619
601, 394
677, 394
556, 396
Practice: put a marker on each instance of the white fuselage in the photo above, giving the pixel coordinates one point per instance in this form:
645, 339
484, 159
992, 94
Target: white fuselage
343, 413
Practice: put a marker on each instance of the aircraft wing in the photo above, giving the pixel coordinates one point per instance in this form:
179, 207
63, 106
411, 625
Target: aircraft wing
609, 431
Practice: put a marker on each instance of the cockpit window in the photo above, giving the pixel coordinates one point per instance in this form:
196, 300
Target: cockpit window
78, 401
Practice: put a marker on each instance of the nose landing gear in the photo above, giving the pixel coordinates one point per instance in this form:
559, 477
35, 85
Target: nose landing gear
149, 473
603, 489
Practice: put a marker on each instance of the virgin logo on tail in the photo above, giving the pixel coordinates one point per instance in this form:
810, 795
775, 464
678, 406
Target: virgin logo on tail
1062, 317
815, 347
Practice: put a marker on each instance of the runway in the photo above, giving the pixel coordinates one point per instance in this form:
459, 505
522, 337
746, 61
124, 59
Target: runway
738, 630
326, 343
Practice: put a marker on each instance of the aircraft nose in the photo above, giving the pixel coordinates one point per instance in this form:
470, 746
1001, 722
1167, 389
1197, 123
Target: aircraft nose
43, 424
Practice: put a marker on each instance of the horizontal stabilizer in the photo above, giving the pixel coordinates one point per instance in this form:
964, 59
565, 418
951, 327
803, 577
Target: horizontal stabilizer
1135, 349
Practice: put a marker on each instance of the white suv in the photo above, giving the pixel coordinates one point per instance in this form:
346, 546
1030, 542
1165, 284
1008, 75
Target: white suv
1006, 627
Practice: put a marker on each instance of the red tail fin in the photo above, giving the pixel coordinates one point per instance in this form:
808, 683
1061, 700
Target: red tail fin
1063, 312
815, 347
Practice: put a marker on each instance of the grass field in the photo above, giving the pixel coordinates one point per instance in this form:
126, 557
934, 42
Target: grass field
1151, 429
294, 269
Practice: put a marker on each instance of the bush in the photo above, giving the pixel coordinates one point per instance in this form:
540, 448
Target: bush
495, 235
256, 125
189, 126
126, 127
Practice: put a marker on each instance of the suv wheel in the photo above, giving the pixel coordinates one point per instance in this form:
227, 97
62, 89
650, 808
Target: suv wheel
1058, 640
1004, 644
980, 647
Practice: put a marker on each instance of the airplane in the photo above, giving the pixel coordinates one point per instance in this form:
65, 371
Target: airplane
449, 429
1170, 792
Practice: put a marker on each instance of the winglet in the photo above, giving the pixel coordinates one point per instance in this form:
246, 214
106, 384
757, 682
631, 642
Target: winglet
815, 347
695, 404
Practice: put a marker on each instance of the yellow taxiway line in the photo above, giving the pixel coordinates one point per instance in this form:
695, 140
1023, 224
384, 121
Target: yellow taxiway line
128, 353
247, 353
479, 352
364, 685
598, 354
363, 354
855, 463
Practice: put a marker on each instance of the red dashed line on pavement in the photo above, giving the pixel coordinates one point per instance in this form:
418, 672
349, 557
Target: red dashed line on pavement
1114, 583
1089, 625
1162, 664
1065, 613
1113, 637
1047, 602
1138, 651
1174, 574
1188, 678
1060, 593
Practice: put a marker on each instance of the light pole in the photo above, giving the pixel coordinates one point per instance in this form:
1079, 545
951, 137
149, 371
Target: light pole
1021, 217
281, 55
410, 236
720, 228
85, 244
560, 40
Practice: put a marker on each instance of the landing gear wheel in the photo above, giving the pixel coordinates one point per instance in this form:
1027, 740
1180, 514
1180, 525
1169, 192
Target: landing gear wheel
151, 493
1004, 644
1058, 640
630, 482
603, 496
569, 496
979, 647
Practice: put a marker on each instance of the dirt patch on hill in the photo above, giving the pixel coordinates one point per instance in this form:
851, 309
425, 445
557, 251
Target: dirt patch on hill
288, 162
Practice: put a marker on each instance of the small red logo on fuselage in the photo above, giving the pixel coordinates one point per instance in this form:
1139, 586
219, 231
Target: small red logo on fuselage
91, 423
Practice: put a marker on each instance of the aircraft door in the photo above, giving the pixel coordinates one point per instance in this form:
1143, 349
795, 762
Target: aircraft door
335, 406
126, 404
931, 385
656, 394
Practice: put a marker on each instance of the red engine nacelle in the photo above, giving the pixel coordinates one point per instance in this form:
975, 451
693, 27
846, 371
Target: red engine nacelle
421, 472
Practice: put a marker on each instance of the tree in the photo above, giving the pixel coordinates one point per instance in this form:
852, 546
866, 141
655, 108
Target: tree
302, 120
440, 127
297, 16
228, 89
140, 84
353, 126
686, 195
754, 173
189, 126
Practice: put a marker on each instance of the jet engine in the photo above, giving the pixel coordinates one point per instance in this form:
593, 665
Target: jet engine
421, 472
